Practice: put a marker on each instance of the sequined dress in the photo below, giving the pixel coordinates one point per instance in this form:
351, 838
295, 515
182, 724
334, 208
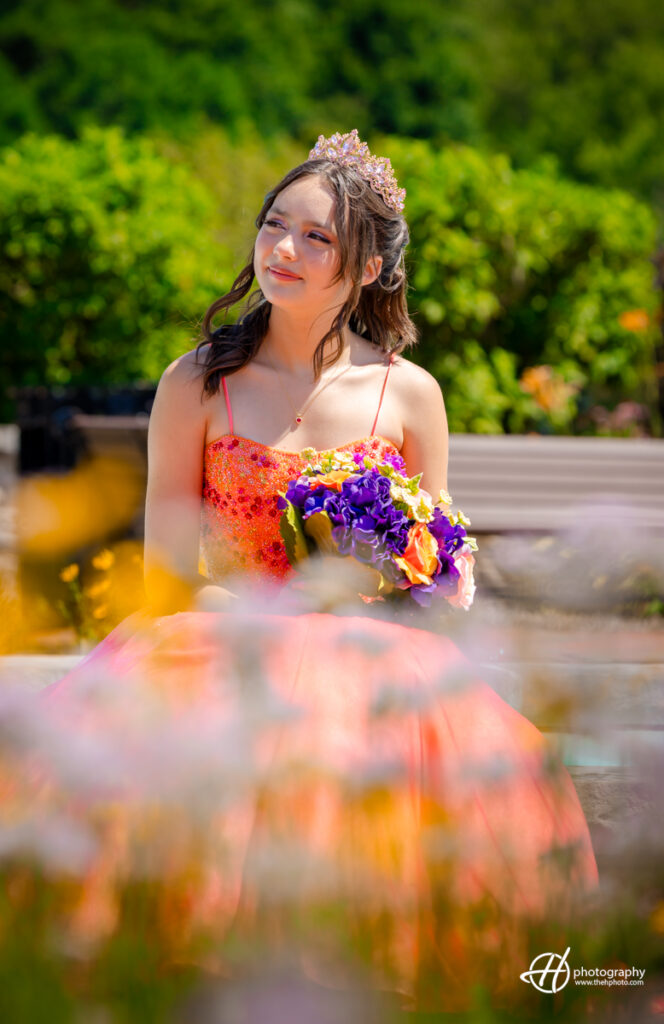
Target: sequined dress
458, 766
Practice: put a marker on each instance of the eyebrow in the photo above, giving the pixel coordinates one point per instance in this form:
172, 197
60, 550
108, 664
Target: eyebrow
314, 223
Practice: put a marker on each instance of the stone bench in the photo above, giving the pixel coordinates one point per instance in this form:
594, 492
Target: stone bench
514, 483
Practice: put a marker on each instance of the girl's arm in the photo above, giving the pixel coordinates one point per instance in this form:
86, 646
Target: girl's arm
426, 434
176, 441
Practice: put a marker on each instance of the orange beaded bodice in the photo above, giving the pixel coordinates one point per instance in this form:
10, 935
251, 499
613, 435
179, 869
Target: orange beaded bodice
240, 519
239, 515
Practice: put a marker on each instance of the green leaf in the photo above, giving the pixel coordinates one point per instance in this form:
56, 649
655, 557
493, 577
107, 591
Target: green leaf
319, 526
292, 530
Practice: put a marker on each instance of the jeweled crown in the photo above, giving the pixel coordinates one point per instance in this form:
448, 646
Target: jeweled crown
376, 170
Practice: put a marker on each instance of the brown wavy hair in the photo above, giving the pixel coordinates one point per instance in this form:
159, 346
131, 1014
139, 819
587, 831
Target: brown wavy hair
378, 311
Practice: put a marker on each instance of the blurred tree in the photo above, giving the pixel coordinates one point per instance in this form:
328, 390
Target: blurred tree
106, 259
237, 169
534, 295
292, 67
580, 79
397, 68
519, 269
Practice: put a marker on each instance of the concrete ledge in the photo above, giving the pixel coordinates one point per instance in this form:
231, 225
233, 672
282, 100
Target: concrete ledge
35, 671
613, 748
628, 694
609, 796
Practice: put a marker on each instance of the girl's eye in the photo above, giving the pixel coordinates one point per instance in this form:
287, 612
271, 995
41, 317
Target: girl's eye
314, 234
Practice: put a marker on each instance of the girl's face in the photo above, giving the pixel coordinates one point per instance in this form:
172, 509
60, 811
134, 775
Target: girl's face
296, 253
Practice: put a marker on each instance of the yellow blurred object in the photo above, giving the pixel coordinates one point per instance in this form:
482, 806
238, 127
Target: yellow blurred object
12, 622
97, 589
104, 560
169, 593
657, 918
93, 597
120, 588
59, 513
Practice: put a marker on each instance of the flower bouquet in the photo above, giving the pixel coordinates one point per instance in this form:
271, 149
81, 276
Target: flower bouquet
348, 505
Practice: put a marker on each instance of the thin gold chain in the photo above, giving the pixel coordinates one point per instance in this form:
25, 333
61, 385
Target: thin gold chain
299, 415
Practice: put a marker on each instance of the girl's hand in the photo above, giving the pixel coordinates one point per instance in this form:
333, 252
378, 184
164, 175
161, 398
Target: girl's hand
212, 598
328, 582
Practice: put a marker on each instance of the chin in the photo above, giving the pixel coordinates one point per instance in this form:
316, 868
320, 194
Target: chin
280, 296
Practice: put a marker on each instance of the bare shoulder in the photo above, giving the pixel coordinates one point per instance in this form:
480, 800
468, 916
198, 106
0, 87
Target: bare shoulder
185, 370
424, 421
180, 387
178, 406
404, 372
410, 371
415, 386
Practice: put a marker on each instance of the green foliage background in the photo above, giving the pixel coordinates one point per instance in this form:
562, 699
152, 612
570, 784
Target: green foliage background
139, 140
519, 268
99, 259
582, 80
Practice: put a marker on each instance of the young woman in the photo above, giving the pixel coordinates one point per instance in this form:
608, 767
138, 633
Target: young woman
315, 361
308, 366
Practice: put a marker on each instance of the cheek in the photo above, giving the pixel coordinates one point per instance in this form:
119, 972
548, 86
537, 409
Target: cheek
328, 262
262, 253
331, 268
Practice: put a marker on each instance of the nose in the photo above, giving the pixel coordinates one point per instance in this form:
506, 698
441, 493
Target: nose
286, 246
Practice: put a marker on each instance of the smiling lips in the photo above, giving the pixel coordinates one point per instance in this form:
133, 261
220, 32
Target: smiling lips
284, 275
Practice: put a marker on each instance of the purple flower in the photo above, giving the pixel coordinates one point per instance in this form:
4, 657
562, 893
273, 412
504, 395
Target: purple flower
296, 492
447, 575
365, 489
397, 462
314, 501
393, 459
422, 593
449, 537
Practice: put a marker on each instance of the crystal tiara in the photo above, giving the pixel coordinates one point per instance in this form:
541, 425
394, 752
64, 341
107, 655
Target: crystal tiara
351, 152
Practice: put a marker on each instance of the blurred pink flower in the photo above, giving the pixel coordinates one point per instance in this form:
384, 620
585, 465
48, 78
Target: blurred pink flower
464, 561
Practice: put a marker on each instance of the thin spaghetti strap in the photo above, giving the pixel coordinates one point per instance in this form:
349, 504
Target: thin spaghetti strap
382, 392
228, 406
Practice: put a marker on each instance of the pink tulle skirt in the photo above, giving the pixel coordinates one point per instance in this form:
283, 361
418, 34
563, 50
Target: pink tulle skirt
366, 764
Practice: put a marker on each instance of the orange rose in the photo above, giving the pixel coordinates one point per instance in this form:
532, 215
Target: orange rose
420, 559
333, 479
